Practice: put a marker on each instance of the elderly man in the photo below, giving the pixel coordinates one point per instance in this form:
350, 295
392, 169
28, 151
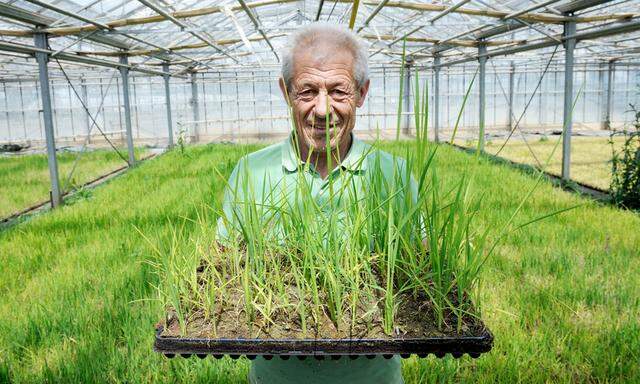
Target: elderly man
324, 79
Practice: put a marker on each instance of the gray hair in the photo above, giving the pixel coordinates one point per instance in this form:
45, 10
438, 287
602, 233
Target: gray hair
310, 35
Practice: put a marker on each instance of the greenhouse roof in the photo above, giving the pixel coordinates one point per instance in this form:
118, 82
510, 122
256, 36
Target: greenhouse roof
193, 36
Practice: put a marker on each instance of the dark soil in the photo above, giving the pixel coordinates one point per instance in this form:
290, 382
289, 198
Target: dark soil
415, 318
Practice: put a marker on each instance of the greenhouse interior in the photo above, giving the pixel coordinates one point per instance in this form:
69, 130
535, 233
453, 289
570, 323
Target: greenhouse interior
121, 124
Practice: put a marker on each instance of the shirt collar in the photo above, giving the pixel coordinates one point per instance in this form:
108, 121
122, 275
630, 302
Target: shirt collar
354, 161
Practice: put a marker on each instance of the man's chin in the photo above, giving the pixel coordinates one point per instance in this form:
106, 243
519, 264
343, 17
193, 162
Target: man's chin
318, 142
319, 147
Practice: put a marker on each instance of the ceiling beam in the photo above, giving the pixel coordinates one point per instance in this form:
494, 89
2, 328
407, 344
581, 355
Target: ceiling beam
68, 13
532, 17
631, 26
456, 42
30, 50
579, 5
61, 31
258, 26
35, 19
185, 27
173, 48
373, 14
511, 25
448, 10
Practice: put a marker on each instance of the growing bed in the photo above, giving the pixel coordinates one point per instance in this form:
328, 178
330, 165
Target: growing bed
477, 340
415, 331
386, 265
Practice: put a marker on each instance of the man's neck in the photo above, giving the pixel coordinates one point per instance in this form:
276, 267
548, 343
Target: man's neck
323, 163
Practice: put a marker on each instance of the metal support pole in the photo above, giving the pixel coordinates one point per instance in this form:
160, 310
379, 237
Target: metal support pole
512, 71
607, 117
43, 58
6, 114
85, 100
124, 72
24, 118
167, 92
436, 98
570, 43
407, 94
195, 107
482, 50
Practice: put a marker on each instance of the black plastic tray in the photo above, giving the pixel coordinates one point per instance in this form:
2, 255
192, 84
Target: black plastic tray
321, 348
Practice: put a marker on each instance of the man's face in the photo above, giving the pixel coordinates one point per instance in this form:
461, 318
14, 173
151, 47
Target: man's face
324, 91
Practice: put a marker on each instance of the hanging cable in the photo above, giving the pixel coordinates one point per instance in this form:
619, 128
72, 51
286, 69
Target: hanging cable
517, 125
524, 138
332, 8
88, 136
94, 122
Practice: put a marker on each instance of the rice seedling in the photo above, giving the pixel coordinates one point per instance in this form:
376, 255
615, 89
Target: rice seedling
387, 253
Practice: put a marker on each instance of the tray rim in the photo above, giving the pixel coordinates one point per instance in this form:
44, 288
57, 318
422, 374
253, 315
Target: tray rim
455, 345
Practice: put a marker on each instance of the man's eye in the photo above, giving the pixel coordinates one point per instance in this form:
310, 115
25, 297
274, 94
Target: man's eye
338, 92
306, 93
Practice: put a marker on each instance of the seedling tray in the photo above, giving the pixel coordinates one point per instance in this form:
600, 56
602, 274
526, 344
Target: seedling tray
474, 346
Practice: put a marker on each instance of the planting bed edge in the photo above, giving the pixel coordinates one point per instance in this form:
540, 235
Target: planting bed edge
474, 346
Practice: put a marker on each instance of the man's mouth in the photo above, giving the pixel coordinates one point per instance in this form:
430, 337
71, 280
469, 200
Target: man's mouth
322, 125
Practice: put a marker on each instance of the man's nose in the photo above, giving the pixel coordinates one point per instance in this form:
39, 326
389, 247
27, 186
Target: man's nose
323, 106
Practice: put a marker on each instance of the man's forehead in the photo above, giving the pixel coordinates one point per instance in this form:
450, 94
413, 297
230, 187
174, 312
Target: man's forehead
325, 61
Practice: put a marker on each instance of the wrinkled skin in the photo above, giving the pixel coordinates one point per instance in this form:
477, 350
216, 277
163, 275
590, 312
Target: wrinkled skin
323, 86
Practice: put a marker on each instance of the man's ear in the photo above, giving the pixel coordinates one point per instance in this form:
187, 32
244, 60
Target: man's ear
283, 89
363, 93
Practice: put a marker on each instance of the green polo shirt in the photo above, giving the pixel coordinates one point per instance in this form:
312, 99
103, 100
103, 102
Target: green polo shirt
278, 167
273, 172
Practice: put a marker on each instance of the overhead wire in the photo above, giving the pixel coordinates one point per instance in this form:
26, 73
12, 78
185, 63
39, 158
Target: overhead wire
335, 2
94, 123
513, 116
526, 107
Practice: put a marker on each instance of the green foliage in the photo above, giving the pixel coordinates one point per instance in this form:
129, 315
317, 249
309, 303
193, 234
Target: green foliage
354, 255
401, 90
79, 193
79, 304
625, 165
24, 180
182, 140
